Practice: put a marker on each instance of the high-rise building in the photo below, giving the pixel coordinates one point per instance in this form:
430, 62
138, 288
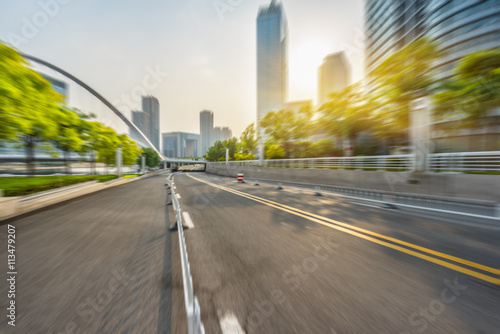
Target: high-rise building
389, 26
206, 130
333, 76
148, 120
272, 58
151, 106
181, 144
142, 121
459, 27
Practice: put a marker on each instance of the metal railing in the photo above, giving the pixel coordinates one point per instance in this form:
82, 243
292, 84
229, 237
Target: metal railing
467, 207
195, 326
437, 162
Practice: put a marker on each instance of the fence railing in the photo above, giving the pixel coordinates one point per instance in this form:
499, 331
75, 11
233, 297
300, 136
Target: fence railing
437, 162
195, 326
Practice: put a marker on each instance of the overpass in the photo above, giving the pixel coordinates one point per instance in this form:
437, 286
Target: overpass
175, 163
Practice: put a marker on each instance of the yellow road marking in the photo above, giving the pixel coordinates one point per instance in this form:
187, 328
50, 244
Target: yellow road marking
352, 230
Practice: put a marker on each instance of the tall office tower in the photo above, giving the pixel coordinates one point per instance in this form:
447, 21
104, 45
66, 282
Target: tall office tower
389, 26
272, 58
459, 27
217, 134
151, 106
142, 121
333, 76
226, 133
206, 130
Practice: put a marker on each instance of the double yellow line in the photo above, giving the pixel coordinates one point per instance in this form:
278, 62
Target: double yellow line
396, 244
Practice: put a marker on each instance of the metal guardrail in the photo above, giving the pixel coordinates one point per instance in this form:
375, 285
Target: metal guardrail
468, 207
195, 326
438, 162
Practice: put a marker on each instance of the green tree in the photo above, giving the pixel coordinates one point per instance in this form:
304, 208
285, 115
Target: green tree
218, 151
400, 79
323, 148
28, 104
131, 152
348, 113
280, 126
472, 92
275, 151
152, 158
248, 140
69, 138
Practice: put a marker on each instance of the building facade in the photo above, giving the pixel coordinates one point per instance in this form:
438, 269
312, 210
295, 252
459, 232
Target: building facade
206, 130
148, 120
181, 144
334, 75
272, 58
459, 27
151, 106
142, 121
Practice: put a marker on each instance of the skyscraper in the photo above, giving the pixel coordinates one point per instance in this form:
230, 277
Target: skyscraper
148, 120
142, 121
151, 106
460, 27
206, 130
333, 76
272, 58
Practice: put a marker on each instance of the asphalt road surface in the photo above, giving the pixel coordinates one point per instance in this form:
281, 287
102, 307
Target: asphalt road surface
103, 263
260, 267
263, 260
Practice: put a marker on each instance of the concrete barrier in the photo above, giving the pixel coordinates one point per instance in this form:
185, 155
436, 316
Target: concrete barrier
468, 186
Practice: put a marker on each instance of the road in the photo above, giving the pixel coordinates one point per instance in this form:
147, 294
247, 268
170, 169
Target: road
263, 260
271, 269
103, 263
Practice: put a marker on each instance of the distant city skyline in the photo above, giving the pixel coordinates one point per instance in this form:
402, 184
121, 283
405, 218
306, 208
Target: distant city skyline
188, 54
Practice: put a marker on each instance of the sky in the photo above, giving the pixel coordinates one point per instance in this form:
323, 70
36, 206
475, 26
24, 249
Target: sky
191, 54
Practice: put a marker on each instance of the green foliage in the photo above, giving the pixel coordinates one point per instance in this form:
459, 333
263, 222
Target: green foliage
218, 151
152, 158
399, 79
472, 92
20, 186
348, 113
248, 140
275, 152
285, 126
244, 156
323, 148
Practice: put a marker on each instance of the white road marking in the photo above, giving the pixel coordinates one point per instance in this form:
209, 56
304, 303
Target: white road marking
371, 206
230, 325
178, 196
187, 219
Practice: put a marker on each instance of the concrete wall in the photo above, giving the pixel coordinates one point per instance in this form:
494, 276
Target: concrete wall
468, 186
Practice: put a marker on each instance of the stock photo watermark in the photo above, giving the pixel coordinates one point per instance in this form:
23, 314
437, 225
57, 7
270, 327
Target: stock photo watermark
222, 7
421, 320
357, 47
153, 78
32, 25
88, 310
293, 278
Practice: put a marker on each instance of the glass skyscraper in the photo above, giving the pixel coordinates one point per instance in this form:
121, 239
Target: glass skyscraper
459, 26
272, 59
